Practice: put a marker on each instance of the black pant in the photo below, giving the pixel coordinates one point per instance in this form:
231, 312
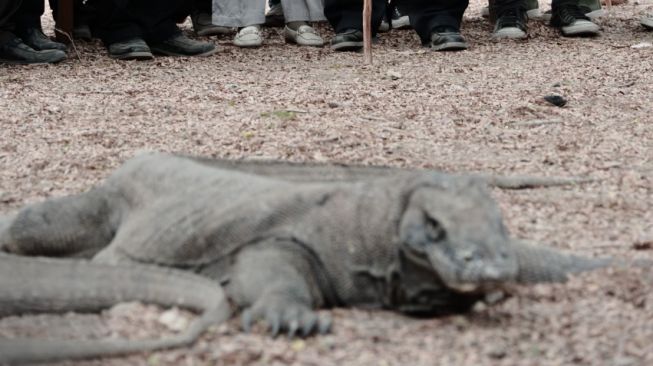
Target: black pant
121, 20
203, 6
348, 14
425, 15
8, 9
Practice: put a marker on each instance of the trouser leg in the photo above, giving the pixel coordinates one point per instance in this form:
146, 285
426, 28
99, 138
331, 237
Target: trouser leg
7, 10
121, 20
29, 14
348, 14
426, 15
202, 6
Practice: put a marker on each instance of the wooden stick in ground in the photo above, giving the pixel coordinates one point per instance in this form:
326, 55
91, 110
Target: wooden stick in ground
367, 31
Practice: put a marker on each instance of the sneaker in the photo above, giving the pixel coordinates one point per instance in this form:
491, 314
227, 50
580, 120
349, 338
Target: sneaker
249, 36
274, 16
304, 36
398, 20
647, 21
132, 49
447, 39
349, 40
532, 10
180, 45
16, 52
591, 8
35, 38
203, 25
573, 22
511, 23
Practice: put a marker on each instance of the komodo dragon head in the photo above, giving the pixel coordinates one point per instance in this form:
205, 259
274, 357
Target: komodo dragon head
456, 228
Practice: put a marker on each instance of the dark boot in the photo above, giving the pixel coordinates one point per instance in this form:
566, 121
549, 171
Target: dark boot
15, 51
35, 38
180, 45
132, 49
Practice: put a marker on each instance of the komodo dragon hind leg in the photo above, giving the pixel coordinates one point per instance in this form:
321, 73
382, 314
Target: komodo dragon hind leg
67, 226
541, 264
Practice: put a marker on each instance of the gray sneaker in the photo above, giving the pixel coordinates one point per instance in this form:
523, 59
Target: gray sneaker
304, 36
203, 25
180, 45
591, 8
572, 22
647, 21
16, 52
132, 49
249, 36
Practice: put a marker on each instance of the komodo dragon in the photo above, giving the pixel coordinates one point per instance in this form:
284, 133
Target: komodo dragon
417, 242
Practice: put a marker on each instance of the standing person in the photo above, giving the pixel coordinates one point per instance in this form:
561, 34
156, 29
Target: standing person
249, 15
201, 15
138, 29
22, 18
437, 22
346, 18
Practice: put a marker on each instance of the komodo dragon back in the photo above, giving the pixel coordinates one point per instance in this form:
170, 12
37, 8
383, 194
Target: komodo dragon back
57, 285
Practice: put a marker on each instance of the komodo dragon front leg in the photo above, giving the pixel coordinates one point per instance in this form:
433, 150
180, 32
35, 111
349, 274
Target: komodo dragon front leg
276, 282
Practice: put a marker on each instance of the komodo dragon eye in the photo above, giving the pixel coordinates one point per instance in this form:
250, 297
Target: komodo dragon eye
434, 231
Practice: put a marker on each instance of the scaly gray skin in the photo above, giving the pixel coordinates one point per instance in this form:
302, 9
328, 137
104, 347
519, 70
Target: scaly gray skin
419, 242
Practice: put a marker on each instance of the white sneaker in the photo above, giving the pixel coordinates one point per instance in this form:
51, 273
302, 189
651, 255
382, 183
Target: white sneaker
304, 36
249, 36
647, 21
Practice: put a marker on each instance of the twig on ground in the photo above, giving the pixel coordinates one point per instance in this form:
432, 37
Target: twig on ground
72, 42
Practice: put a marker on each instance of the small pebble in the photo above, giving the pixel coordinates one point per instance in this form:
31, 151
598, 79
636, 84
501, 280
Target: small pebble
556, 100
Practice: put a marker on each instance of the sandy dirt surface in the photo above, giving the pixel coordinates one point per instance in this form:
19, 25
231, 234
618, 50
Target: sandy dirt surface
65, 127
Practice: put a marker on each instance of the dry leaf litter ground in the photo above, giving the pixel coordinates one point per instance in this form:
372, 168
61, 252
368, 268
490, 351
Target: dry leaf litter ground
65, 127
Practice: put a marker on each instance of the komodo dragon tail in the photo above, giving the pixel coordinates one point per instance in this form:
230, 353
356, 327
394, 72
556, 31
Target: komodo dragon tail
32, 285
338, 172
540, 264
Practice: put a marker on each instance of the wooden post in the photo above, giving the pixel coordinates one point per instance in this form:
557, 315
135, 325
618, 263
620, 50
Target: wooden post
65, 22
367, 31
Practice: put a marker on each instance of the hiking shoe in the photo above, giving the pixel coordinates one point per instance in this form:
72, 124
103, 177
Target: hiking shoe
447, 39
304, 36
274, 16
398, 20
511, 23
573, 22
82, 31
647, 21
132, 49
249, 36
532, 10
16, 52
349, 40
180, 45
35, 38
203, 25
